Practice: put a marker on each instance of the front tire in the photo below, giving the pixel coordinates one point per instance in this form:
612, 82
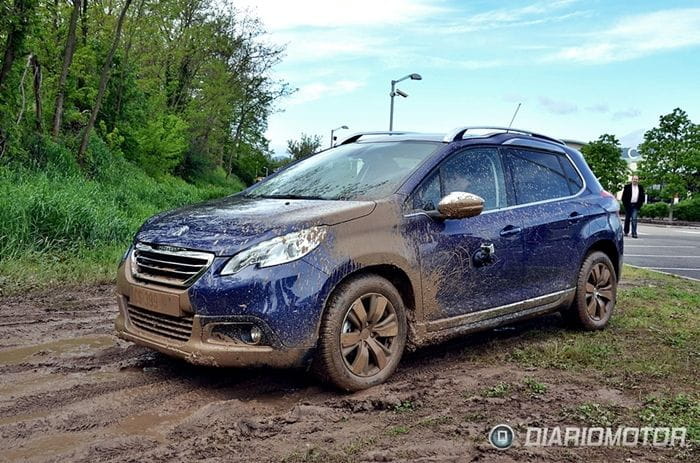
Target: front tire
363, 334
596, 293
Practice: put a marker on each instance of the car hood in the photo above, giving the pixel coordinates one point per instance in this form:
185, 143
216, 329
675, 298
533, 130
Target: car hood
228, 225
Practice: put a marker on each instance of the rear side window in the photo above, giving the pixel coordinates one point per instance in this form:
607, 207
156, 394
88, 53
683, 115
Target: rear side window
575, 182
537, 176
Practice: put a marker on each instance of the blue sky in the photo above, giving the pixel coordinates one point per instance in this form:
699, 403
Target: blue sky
580, 68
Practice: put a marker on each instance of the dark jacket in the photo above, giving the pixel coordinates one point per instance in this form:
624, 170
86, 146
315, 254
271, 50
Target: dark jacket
627, 196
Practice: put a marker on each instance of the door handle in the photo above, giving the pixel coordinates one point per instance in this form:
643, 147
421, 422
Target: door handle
575, 217
510, 230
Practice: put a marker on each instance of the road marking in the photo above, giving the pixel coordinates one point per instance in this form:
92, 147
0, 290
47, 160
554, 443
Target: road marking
658, 270
656, 246
691, 232
677, 268
661, 255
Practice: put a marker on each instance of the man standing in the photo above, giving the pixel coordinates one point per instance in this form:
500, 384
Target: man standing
632, 199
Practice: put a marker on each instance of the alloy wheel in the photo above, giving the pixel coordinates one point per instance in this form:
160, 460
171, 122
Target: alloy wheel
368, 334
599, 292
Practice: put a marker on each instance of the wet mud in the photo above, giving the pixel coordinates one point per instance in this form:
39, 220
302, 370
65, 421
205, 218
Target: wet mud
71, 391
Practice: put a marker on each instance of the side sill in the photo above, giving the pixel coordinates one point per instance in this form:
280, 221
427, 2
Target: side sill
439, 330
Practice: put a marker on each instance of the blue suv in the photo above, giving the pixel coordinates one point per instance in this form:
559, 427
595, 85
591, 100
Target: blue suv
388, 241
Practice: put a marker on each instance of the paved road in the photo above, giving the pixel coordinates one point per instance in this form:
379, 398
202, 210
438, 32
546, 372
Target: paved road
668, 249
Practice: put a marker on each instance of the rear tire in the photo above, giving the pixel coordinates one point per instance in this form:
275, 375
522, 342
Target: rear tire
363, 334
596, 293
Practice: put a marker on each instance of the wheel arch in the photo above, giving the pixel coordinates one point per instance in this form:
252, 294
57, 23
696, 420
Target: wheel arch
395, 275
607, 247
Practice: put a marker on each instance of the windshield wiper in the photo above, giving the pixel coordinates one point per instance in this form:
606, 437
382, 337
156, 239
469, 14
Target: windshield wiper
288, 196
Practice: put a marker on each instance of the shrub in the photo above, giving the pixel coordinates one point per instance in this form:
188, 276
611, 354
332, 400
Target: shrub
654, 210
688, 209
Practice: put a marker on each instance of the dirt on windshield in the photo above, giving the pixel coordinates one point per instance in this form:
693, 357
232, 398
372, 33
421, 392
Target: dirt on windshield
71, 391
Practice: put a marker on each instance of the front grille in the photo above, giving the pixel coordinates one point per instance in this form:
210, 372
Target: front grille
167, 326
169, 266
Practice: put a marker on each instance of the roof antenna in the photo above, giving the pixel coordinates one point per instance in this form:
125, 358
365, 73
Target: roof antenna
514, 114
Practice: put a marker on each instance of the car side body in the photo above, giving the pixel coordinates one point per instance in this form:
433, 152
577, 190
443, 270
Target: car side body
519, 258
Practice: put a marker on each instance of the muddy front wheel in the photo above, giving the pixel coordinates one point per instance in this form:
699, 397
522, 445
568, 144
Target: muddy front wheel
363, 334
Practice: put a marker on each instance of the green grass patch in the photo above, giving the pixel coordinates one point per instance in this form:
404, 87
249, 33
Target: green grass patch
681, 410
62, 227
654, 334
499, 390
398, 430
404, 407
592, 414
534, 387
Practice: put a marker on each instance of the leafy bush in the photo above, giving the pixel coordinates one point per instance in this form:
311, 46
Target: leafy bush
688, 210
654, 210
162, 144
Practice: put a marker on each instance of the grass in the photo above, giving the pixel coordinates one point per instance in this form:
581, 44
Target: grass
404, 407
398, 430
654, 333
63, 227
499, 390
535, 387
593, 414
673, 411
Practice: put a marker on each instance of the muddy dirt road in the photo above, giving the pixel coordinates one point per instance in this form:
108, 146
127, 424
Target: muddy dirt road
71, 391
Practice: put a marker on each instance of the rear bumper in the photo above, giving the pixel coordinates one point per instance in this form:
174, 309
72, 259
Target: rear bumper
198, 351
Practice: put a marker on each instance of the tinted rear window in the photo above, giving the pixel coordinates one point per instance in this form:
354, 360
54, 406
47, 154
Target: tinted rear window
537, 176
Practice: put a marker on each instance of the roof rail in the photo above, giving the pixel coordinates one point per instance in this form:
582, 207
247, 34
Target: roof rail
458, 133
356, 136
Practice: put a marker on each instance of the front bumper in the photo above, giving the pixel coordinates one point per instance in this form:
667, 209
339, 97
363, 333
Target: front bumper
197, 350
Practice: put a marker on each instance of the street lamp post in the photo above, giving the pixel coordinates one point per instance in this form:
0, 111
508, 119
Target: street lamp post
337, 128
395, 91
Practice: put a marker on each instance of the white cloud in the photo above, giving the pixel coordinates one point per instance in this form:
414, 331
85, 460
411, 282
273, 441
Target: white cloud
317, 90
598, 108
557, 106
636, 36
319, 44
626, 114
284, 14
535, 13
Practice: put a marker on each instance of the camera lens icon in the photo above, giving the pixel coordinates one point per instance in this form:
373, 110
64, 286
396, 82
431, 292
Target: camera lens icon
501, 436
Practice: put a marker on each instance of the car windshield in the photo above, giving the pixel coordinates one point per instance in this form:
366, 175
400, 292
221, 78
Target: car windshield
357, 171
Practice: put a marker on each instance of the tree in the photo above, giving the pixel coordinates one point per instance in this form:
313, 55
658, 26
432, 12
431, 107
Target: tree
19, 21
305, 146
603, 157
68, 52
104, 76
671, 156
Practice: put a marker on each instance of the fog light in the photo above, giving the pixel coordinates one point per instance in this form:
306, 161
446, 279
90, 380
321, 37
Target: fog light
255, 335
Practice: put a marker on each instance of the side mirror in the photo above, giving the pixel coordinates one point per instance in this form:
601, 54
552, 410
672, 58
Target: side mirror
460, 205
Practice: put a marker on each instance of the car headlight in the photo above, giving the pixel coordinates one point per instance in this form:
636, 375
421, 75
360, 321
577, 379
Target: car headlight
280, 250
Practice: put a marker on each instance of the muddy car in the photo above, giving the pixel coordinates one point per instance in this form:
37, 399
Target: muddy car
388, 241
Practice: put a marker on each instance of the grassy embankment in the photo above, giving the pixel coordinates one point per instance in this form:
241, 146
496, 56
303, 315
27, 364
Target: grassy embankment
62, 226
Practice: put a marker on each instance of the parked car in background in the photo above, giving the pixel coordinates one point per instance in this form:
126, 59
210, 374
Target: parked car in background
342, 260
